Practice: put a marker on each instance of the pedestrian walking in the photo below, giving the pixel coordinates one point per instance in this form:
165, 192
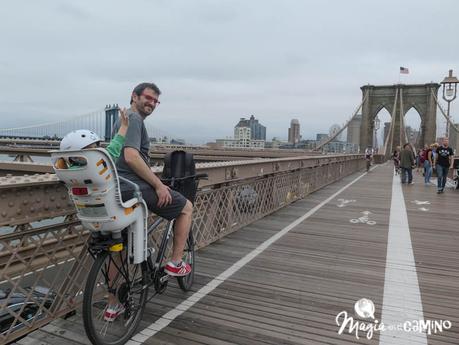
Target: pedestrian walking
407, 163
428, 164
443, 162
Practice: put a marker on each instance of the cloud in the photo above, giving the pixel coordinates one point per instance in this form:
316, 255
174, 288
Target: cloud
217, 62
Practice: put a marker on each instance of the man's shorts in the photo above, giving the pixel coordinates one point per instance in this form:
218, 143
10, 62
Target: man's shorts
168, 212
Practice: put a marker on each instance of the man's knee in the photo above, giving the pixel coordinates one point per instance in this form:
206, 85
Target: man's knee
188, 208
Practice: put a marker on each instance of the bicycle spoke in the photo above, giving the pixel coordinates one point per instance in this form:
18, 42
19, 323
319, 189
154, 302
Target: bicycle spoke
115, 285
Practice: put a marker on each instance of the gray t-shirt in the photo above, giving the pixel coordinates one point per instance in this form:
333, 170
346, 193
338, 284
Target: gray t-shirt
136, 137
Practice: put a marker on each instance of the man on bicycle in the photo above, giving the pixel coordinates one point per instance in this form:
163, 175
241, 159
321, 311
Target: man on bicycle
133, 164
368, 156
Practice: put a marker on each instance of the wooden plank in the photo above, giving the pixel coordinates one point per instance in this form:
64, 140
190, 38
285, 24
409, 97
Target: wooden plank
292, 292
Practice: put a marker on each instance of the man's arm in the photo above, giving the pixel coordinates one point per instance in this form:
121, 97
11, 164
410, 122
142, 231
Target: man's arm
138, 165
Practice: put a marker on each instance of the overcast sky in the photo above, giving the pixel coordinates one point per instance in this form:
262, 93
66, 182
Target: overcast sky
217, 61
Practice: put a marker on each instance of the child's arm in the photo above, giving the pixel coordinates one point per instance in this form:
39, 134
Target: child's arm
116, 144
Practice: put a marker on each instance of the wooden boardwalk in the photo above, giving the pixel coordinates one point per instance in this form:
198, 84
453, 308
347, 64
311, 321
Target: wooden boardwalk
292, 291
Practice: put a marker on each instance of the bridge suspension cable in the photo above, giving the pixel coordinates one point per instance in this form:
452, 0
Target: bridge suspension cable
94, 120
390, 134
333, 137
448, 120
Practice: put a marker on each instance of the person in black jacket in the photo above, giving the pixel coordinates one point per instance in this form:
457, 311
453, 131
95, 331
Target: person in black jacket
443, 162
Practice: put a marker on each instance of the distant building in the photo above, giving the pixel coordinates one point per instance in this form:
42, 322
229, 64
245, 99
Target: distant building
321, 137
242, 139
353, 130
257, 130
275, 143
340, 147
412, 135
333, 130
240, 143
159, 140
177, 141
294, 132
386, 130
307, 144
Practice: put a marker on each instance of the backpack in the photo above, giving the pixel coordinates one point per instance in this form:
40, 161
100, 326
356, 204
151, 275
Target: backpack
181, 164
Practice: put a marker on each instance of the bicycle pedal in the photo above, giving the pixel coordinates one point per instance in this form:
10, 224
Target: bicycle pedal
164, 278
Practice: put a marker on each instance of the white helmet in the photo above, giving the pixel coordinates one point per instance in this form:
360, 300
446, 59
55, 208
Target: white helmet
77, 140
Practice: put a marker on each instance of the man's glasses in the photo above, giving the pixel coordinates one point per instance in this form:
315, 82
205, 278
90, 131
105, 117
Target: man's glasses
151, 99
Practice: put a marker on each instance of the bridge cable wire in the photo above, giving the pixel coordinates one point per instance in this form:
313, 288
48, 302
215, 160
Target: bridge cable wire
390, 135
54, 122
402, 124
443, 113
60, 127
345, 126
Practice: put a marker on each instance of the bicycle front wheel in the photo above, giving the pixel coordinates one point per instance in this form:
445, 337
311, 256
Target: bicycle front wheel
186, 282
116, 283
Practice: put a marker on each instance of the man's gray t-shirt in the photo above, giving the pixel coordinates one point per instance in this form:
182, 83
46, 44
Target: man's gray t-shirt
136, 137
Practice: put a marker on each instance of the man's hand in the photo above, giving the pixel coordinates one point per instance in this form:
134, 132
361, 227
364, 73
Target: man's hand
164, 195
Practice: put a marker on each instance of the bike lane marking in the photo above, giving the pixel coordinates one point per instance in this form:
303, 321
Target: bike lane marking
402, 297
167, 318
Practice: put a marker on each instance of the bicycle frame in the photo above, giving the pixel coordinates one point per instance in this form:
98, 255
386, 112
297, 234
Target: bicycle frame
154, 267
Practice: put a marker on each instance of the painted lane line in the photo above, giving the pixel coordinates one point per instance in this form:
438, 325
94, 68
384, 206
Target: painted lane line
402, 298
167, 318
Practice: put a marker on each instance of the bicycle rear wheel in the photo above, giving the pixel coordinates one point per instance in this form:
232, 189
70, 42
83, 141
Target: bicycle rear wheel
112, 279
186, 282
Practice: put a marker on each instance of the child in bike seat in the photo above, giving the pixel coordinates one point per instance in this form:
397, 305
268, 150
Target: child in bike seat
86, 139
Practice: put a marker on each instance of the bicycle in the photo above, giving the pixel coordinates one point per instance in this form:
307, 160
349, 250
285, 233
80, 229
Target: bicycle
124, 265
368, 163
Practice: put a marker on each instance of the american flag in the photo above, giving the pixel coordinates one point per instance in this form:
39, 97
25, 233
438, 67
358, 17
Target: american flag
404, 70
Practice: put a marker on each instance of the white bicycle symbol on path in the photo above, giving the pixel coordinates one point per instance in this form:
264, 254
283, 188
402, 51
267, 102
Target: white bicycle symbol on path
364, 219
419, 202
344, 202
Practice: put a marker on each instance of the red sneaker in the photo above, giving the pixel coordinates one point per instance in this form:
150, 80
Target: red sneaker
180, 270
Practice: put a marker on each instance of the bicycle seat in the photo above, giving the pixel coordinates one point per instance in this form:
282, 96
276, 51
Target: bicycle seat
93, 183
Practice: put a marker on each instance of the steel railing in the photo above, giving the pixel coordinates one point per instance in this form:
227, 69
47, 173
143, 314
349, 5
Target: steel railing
43, 244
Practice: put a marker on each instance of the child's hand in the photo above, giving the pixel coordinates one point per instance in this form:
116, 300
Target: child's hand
124, 117
124, 120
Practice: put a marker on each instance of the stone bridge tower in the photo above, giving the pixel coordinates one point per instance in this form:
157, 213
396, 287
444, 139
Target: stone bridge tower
398, 100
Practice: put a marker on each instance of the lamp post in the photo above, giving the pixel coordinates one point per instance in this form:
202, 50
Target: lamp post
449, 93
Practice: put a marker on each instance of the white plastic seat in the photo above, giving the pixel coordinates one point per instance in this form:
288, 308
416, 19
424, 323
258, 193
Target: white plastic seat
93, 183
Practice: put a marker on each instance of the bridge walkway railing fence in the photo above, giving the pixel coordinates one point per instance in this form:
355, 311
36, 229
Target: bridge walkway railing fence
42, 243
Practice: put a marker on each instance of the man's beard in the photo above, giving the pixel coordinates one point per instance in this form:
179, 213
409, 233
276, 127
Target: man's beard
144, 112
